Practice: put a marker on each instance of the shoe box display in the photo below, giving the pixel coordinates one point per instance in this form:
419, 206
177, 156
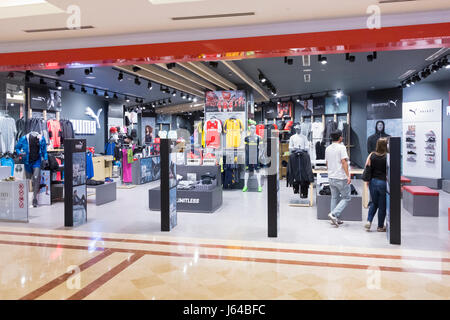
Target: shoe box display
411, 143
430, 139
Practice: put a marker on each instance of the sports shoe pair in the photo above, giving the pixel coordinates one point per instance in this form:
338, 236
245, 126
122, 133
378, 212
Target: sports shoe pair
334, 220
369, 224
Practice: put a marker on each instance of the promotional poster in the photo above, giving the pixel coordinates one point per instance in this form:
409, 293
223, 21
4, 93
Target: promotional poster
45, 99
285, 109
79, 205
79, 168
318, 106
225, 101
44, 197
384, 104
335, 105
306, 108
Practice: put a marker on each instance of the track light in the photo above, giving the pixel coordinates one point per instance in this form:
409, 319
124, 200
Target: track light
434, 68
298, 99
349, 57
136, 69
115, 96
120, 76
136, 100
170, 100
71, 87
195, 99
189, 98
137, 81
58, 85
214, 64
183, 96
338, 93
60, 72
372, 56
174, 93
408, 83
171, 65
83, 89
28, 75
322, 60
88, 71
95, 92
11, 75
106, 95
288, 61
127, 99
149, 86
262, 78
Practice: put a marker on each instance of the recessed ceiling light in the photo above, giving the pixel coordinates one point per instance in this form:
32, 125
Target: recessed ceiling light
90, 77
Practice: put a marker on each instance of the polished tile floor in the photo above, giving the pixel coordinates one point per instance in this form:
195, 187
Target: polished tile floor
55, 264
121, 254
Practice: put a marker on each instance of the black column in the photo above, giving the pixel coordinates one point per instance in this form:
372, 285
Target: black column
168, 187
393, 201
273, 188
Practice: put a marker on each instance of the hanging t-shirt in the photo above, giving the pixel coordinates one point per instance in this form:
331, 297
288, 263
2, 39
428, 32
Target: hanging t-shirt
199, 135
213, 129
233, 129
8, 133
260, 130
54, 132
130, 156
89, 165
317, 130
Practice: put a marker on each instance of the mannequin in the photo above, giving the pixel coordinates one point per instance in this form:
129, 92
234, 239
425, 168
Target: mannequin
379, 133
252, 151
33, 147
298, 141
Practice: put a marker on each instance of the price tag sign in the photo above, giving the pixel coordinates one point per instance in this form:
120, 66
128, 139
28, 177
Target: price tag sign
194, 162
209, 162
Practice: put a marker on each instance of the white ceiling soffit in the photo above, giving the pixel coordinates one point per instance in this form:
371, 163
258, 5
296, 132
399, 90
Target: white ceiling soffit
241, 74
158, 79
172, 77
225, 32
206, 73
26, 8
188, 76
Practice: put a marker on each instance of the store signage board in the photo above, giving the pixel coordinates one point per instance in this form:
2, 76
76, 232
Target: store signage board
209, 162
422, 139
42, 98
384, 104
14, 201
75, 200
84, 127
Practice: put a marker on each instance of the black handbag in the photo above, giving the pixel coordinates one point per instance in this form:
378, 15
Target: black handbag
367, 174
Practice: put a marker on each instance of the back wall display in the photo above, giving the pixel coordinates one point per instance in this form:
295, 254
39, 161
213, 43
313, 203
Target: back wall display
335, 105
306, 108
422, 143
285, 109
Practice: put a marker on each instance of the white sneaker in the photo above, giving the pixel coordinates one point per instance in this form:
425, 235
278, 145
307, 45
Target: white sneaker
333, 219
368, 225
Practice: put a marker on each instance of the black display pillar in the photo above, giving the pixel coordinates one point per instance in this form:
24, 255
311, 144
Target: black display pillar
273, 186
393, 205
168, 186
75, 196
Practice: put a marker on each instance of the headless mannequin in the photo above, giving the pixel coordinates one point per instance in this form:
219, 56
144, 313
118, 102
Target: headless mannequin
253, 163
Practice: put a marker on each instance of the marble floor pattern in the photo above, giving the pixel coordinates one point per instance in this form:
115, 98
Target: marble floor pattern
67, 264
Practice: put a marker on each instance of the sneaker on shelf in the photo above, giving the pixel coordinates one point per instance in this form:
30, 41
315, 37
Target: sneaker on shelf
411, 159
411, 133
431, 140
430, 134
430, 154
429, 147
381, 229
368, 225
409, 139
412, 152
333, 219
410, 146
429, 159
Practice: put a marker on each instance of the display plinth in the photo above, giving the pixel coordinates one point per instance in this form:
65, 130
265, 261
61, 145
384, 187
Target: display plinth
353, 211
168, 187
273, 189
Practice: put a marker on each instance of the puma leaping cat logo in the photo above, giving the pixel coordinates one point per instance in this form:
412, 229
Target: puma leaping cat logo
393, 102
413, 111
94, 116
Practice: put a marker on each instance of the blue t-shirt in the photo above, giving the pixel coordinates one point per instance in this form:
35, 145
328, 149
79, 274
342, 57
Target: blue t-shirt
8, 162
89, 166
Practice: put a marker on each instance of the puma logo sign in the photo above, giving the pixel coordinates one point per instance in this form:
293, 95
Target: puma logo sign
413, 111
393, 102
94, 116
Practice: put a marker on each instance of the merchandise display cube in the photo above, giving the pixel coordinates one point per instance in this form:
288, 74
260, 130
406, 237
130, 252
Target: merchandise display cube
353, 211
446, 186
421, 201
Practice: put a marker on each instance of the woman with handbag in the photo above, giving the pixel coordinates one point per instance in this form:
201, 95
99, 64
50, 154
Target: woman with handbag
375, 175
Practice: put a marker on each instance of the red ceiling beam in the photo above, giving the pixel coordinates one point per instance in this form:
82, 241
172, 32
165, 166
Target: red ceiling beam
360, 40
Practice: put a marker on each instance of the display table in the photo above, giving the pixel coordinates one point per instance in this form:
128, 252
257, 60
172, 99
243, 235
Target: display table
104, 193
421, 201
353, 211
14, 201
146, 170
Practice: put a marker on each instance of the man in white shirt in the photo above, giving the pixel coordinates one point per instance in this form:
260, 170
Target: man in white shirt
339, 177
298, 141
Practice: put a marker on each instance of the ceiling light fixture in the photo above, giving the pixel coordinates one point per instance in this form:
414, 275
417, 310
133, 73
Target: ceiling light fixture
288, 61
174, 93
136, 69
120, 76
322, 60
262, 78
195, 99
149, 86
338, 93
137, 81
11, 75
88, 71
60, 72
58, 85
115, 96
71, 87
214, 64
95, 92
83, 89
170, 66
349, 57
127, 99
372, 56
106, 95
